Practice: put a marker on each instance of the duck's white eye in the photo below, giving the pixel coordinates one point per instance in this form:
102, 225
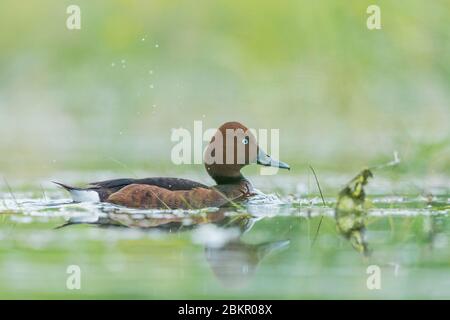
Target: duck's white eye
245, 141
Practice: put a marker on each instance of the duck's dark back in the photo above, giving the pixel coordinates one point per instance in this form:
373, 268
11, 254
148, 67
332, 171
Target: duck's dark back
107, 187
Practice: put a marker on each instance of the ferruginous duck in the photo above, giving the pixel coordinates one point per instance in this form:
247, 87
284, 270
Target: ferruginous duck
231, 148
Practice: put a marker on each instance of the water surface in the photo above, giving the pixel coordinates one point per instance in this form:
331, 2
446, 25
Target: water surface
266, 249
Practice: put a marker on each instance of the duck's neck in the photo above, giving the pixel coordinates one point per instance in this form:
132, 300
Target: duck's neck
234, 187
229, 179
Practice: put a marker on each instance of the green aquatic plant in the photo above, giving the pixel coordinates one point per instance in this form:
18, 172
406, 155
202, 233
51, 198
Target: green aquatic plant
350, 212
351, 207
324, 204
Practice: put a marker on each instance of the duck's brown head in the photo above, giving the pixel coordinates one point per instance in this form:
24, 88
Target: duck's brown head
232, 147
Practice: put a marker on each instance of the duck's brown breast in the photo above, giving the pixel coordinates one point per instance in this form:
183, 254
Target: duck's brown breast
147, 197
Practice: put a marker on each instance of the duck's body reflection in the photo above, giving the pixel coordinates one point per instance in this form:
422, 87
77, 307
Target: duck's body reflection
233, 262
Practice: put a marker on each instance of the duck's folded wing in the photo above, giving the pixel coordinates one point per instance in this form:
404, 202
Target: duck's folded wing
153, 197
111, 186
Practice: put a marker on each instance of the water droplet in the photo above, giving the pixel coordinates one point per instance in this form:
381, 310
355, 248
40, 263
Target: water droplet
113, 64
156, 45
123, 61
150, 71
151, 86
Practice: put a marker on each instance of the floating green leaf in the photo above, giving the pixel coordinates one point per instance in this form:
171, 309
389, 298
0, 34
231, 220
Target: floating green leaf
350, 211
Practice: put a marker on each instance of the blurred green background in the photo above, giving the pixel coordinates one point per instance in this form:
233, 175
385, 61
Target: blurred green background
107, 96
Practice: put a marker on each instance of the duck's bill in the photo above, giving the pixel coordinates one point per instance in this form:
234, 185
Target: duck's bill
265, 160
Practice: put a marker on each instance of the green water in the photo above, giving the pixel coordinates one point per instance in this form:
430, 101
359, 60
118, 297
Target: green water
258, 251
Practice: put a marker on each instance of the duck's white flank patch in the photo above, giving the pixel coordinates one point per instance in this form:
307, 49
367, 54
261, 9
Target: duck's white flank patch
84, 195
